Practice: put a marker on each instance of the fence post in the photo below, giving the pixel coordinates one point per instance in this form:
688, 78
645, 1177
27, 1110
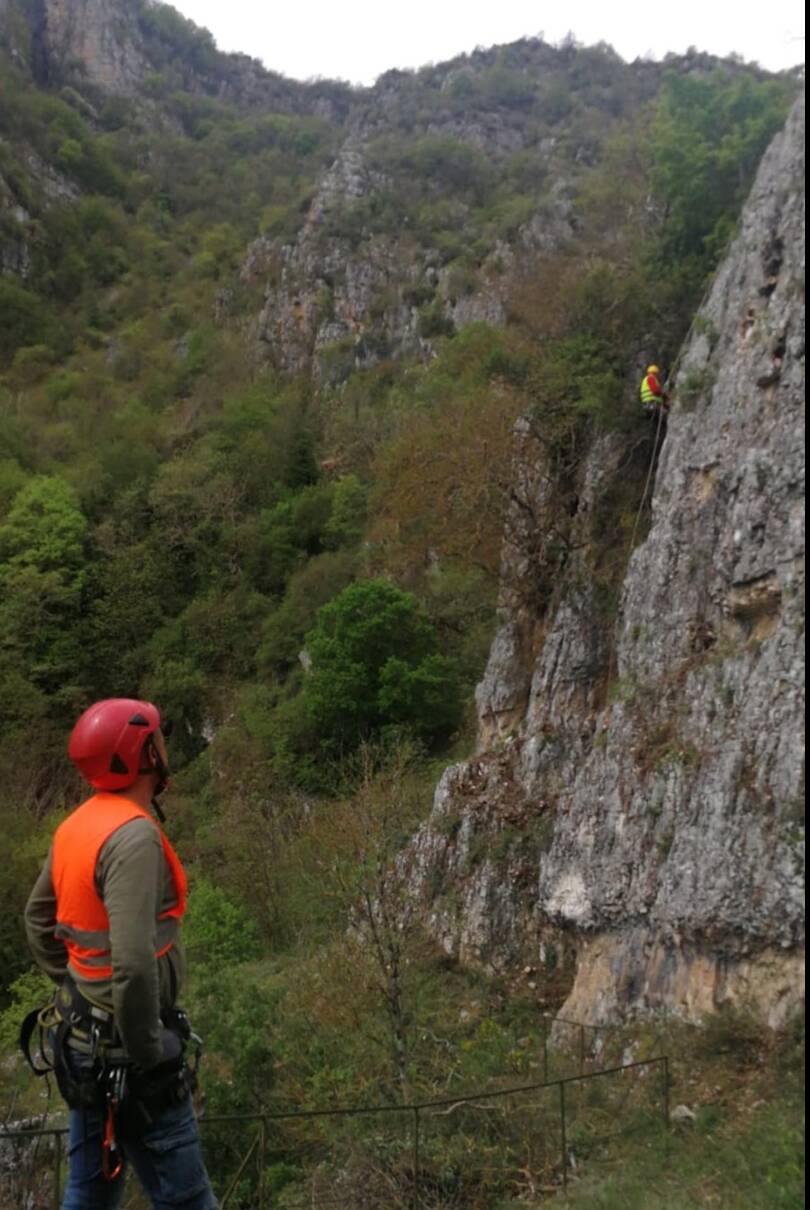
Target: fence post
564, 1141
57, 1167
417, 1179
262, 1159
545, 1049
582, 1050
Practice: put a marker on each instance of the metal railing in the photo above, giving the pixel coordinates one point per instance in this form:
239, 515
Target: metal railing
415, 1179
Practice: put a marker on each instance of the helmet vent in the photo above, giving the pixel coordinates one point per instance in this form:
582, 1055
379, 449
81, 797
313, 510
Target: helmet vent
117, 765
138, 720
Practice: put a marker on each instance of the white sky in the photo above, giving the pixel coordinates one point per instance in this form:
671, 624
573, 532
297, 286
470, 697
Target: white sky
357, 40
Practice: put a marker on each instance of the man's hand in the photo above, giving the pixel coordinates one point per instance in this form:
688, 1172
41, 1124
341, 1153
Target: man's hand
171, 1057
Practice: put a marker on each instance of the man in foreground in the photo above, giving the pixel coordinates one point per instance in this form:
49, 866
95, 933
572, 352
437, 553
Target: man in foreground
103, 920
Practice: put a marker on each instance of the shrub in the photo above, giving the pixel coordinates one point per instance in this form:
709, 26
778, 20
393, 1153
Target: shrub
219, 932
24, 320
30, 990
375, 664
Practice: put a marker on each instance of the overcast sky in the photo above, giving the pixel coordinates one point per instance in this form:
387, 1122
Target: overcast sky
357, 40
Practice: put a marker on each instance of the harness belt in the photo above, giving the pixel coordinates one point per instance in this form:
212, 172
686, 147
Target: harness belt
113, 1085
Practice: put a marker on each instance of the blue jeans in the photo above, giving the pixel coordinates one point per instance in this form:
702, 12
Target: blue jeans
167, 1159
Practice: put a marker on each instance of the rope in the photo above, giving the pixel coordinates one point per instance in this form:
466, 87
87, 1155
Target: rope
672, 374
647, 483
612, 659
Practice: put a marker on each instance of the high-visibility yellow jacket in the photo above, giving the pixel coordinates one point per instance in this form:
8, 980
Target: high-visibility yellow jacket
651, 390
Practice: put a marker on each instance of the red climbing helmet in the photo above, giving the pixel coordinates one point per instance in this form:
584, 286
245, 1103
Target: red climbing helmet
107, 741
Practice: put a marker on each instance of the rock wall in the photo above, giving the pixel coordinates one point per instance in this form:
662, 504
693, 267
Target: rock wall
101, 35
335, 303
111, 46
661, 831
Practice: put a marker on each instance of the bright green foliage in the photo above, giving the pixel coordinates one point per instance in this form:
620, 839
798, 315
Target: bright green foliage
707, 140
28, 991
218, 932
423, 696
44, 528
219, 250
234, 1012
758, 1165
42, 575
375, 664
580, 372
180, 688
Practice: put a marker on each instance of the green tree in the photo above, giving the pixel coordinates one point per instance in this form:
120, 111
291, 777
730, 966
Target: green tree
24, 319
42, 577
707, 140
375, 664
318, 581
219, 931
349, 511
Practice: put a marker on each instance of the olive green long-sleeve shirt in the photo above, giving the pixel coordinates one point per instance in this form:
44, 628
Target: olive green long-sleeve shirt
136, 885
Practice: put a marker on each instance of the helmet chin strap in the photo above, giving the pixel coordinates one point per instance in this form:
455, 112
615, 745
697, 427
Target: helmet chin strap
156, 807
160, 767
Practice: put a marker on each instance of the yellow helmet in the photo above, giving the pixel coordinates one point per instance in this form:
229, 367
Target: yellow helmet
653, 370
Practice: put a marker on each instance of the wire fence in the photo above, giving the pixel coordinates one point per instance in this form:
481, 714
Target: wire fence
455, 1153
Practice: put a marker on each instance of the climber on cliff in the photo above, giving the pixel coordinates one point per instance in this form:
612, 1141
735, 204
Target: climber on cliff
654, 398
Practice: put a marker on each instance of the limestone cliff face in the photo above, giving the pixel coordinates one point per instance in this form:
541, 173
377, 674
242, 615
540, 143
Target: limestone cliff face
352, 289
661, 832
333, 303
112, 46
101, 36
364, 280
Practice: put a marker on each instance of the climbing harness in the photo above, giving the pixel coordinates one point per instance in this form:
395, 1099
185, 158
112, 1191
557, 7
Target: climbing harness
124, 1096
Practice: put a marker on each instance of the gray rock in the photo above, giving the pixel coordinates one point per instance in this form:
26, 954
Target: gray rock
662, 833
102, 35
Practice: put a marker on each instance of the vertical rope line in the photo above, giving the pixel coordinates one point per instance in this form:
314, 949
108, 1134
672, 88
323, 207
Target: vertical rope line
673, 372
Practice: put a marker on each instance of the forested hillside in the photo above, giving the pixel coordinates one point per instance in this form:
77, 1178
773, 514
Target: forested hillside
262, 350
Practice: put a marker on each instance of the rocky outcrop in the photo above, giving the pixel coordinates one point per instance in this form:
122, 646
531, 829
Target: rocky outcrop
99, 47
656, 821
15, 253
17, 226
99, 37
367, 278
336, 302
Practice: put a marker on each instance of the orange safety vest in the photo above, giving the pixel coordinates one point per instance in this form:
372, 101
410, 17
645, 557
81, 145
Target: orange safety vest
82, 921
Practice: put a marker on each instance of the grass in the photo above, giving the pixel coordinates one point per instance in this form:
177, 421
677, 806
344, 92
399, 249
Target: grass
745, 1148
716, 1162
744, 1085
